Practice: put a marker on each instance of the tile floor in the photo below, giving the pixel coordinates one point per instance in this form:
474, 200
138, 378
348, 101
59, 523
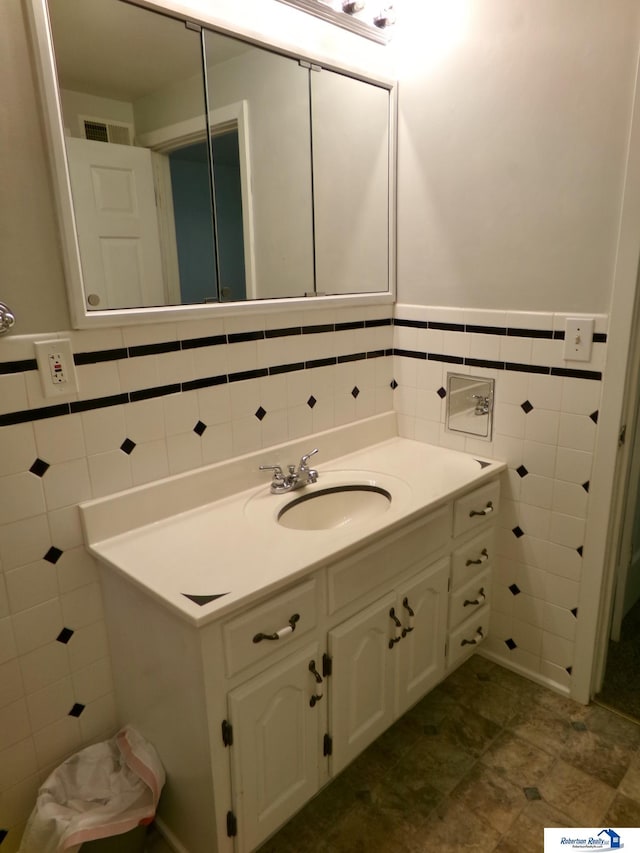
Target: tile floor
481, 764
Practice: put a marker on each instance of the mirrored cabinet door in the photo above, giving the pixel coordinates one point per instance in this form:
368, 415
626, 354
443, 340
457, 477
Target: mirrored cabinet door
350, 121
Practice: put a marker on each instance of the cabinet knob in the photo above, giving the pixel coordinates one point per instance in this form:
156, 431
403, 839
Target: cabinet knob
398, 624
409, 609
479, 600
484, 556
478, 637
317, 696
283, 632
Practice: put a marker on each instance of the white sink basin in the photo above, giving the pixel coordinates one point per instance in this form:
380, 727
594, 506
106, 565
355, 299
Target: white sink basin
334, 506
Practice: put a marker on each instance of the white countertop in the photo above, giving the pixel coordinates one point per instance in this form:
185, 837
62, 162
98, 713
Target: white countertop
233, 547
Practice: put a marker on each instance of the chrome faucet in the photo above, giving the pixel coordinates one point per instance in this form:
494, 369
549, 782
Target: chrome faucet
482, 404
293, 479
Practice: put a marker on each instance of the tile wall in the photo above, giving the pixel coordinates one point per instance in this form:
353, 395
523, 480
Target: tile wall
545, 422
153, 401
162, 399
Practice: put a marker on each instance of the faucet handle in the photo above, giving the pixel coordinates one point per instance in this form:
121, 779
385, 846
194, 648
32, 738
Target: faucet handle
277, 471
304, 459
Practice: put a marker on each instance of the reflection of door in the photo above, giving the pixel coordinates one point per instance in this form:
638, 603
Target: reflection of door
116, 221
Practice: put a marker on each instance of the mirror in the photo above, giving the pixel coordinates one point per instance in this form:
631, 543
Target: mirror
264, 178
470, 405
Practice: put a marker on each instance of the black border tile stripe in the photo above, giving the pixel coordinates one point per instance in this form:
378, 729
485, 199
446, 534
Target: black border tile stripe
448, 359
248, 374
150, 393
204, 382
355, 356
283, 333
382, 321
318, 330
98, 403
243, 337
529, 333
484, 362
99, 356
410, 353
154, 349
486, 330
500, 365
447, 327
411, 324
286, 368
346, 327
22, 366
576, 374
210, 341
23, 417
321, 362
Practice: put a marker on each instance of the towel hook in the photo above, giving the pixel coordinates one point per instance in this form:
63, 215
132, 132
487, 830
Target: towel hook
7, 318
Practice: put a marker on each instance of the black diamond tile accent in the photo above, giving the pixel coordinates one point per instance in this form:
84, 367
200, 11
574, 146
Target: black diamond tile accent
355, 391
53, 555
64, 636
574, 611
311, 401
77, 709
532, 793
580, 549
127, 446
517, 532
393, 384
3, 834
521, 471
526, 407
514, 589
260, 413
578, 725
511, 644
594, 416
39, 467
199, 428
569, 669
441, 392
585, 486
201, 600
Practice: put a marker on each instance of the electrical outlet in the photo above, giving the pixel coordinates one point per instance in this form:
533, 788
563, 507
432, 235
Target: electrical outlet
578, 338
57, 370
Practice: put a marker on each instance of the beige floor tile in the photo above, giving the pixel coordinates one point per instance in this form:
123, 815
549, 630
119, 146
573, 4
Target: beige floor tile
583, 798
630, 785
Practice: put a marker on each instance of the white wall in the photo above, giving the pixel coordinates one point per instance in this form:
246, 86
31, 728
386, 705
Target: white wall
514, 118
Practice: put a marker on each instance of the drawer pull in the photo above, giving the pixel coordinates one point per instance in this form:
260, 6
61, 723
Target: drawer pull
405, 604
479, 600
484, 556
317, 696
279, 635
398, 624
477, 638
486, 511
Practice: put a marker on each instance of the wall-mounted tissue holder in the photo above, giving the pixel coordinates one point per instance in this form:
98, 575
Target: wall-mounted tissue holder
470, 405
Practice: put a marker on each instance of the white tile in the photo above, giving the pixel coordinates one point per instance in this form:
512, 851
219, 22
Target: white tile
4, 598
542, 321
50, 704
60, 439
323, 413
508, 449
405, 337
138, 373
510, 483
274, 427
104, 429
24, 541
37, 626
192, 329
580, 396
542, 425
101, 379
31, 584
484, 317
43, 666
8, 649
57, 741
184, 452
567, 530
429, 405
557, 650
273, 392
430, 375
11, 686
75, 568
144, 420
509, 419
547, 353
36, 396
21, 496
515, 349
82, 606
456, 343
14, 724
109, 472
17, 763
405, 371
84, 340
149, 462
531, 580
527, 636
65, 526
13, 393
99, 719
562, 592
18, 800
485, 346
545, 392
215, 404
564, 561
156, 333
299, 421
537, 491
511, 387
245, 397
217, 443
210, 361
528, 609
555, 673
251, 323
426, 431
181, 412
345, 409
577, 432
244, 355
67, 483
93, 681
574, 466
534, 520
560, 621
17, 448
570, 499
405, 400
88, 644
539, 458
174, 366
525, 660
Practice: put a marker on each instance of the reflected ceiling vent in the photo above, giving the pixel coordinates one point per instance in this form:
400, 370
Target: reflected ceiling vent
107, 131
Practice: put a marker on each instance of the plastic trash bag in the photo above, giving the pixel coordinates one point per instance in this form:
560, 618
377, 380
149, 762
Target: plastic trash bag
103, 790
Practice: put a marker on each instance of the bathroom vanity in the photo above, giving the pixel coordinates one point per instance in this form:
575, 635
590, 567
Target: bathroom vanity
261, 659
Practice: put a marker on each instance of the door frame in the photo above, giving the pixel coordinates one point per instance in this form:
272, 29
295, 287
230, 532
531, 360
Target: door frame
619, 402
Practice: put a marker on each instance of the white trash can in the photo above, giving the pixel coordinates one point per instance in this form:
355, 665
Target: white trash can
106, 794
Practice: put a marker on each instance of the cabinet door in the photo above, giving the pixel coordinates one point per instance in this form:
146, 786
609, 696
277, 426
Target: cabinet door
421, 654
277, 745
362, 680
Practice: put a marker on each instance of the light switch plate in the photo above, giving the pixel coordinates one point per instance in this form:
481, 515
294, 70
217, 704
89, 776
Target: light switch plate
57, 370
578, 338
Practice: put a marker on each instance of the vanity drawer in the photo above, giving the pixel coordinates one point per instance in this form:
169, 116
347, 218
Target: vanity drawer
476, 508
379, 564
467, 637
472, 557
470, 598
268, 621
